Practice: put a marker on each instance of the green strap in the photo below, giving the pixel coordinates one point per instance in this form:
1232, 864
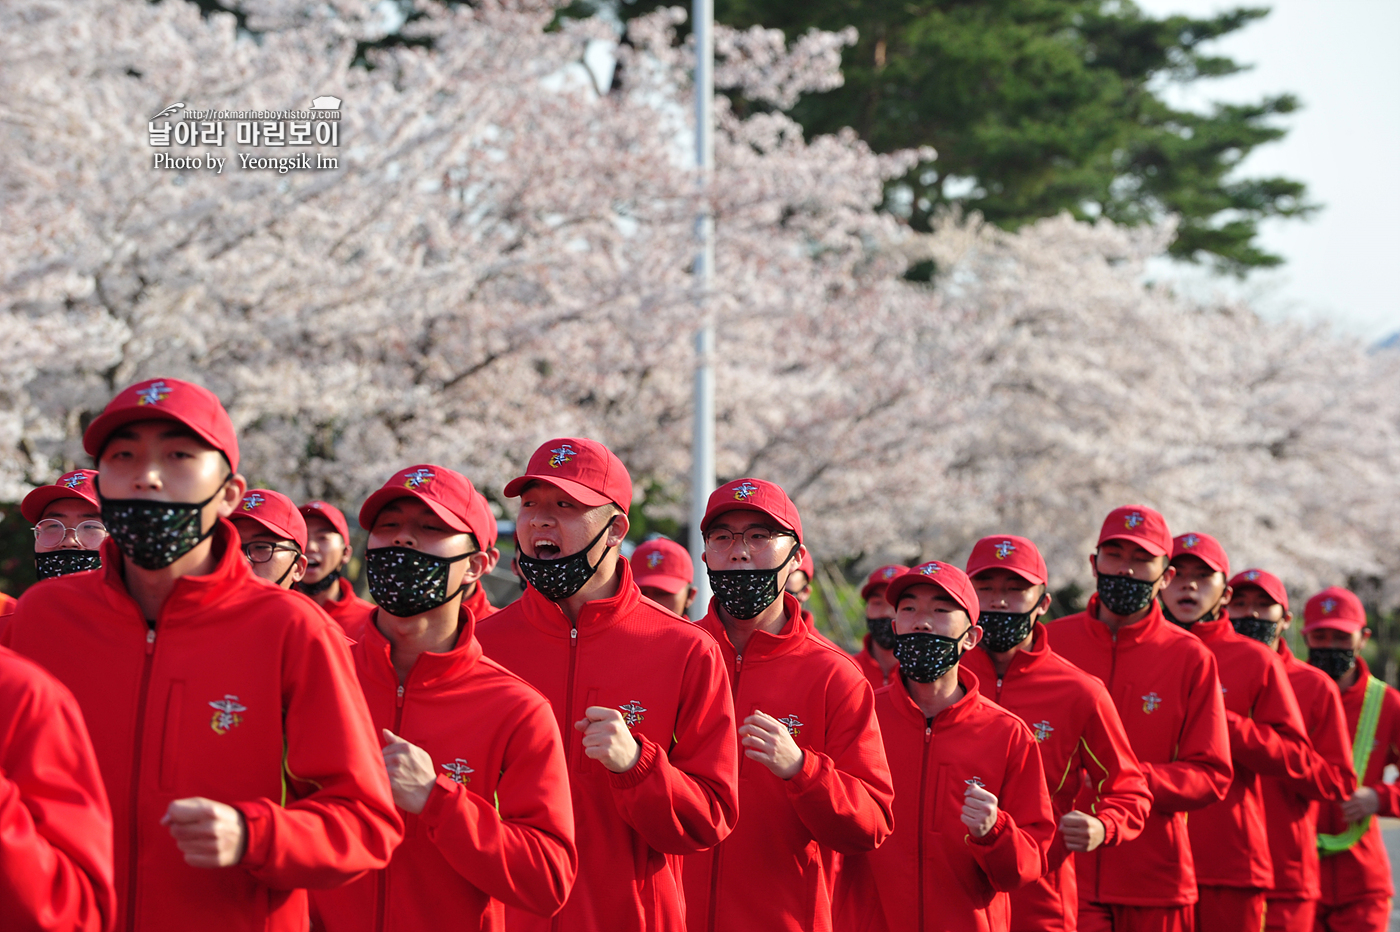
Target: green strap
1361, 745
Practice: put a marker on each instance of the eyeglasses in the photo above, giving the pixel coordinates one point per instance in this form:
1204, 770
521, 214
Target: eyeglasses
260, 551
52, 532
756, 539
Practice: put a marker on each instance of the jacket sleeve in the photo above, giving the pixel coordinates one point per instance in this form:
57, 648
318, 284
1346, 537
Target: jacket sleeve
845, 795
519, 847
55, 825
1200, 771
1014, 852
339, 819
1122, 799
1388, 743
686, 799
1273, 741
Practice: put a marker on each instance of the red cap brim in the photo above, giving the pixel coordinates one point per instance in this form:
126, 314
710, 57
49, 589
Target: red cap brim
95, 437
376, 502
32, 508
663, 581
283, 532
1146, 543
575, 490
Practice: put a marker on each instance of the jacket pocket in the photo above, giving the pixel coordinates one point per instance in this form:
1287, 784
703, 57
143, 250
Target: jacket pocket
170, 736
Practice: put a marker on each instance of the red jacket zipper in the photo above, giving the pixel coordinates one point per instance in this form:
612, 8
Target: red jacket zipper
923, 830
1098, 855
136, 777
569, 744
719, 850
380, 919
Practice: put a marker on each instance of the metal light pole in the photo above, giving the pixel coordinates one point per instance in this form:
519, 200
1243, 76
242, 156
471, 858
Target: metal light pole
702, 477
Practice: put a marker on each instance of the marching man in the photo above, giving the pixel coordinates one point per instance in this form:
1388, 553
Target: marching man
1165, 686
472, 751
1355, 870
273, 536
876, 658
327, 554
1081, 738
663, 571
1259, 610
67, 519
813, 777
234, 743
639, 696
972, 812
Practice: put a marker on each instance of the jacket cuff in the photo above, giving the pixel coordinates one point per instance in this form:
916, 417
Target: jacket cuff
1110, 828
811, 769
997, 828
646, 763
257, 821
442, 800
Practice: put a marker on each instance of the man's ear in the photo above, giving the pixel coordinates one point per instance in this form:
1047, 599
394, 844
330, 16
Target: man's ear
493, 557
973, 636
1094, 564
1225, 599
298, 568
1168, 575
345, 557
231, 495
1044, 604
690, 597
620, 527
478, 565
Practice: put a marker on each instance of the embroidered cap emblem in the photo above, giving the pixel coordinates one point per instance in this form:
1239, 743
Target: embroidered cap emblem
1005, 549
226, 716
1189, 541
929, 569
153, 393
1133, 520
1150, 702
418, 477
792, 723
655, 559
889, 572
461, 773
562, 454
632, 713
75, 480
1252, 575
252, 500
744, 491
1329, 606
1042, 729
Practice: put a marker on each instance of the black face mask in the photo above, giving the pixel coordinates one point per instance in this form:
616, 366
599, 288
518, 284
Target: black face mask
154, 535
408, 582
316, 588
63, 562
1004, 630
1261, 629
744, 594
1334, 661
558, 579
1125, 595
924, 656
881, 631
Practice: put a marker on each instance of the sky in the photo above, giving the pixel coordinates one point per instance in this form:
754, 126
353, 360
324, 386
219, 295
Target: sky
1339, 58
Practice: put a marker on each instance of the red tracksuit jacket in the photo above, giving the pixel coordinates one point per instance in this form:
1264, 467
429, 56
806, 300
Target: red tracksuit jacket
871, 667
667, 676
1082, 742
932, 875
478, 604
1364, 869
1164, 684
1229, 839
841, 799
55, 827
498, 826
244, 693
348, 610
1291, 803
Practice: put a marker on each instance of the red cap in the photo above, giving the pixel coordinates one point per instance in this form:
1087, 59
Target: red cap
484, 521
1009, 552
1270, 583
1205, 547
75, 484
1334, 607
1139, 524
879, 579
166, 399
331, 513
953, 581
663, 564
448, 493
276, 512
758, 494
582, 468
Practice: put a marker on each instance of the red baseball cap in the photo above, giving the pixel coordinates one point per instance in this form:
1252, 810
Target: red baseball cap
75, 484
758, 494
1008, 552
1334, 607
193, 405
935, 572
582, 468
448, 493
663, 564
1205, 547
276, 512
331, 513
1271, 584
484, 523
879, 579
1139, 524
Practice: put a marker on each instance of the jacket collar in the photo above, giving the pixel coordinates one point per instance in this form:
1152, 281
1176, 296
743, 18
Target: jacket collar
1363, 673
192, 594
762, 645
1128, 635
1027, 658
956, 713
1212, 631
596, 615
477, 603
429, 669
